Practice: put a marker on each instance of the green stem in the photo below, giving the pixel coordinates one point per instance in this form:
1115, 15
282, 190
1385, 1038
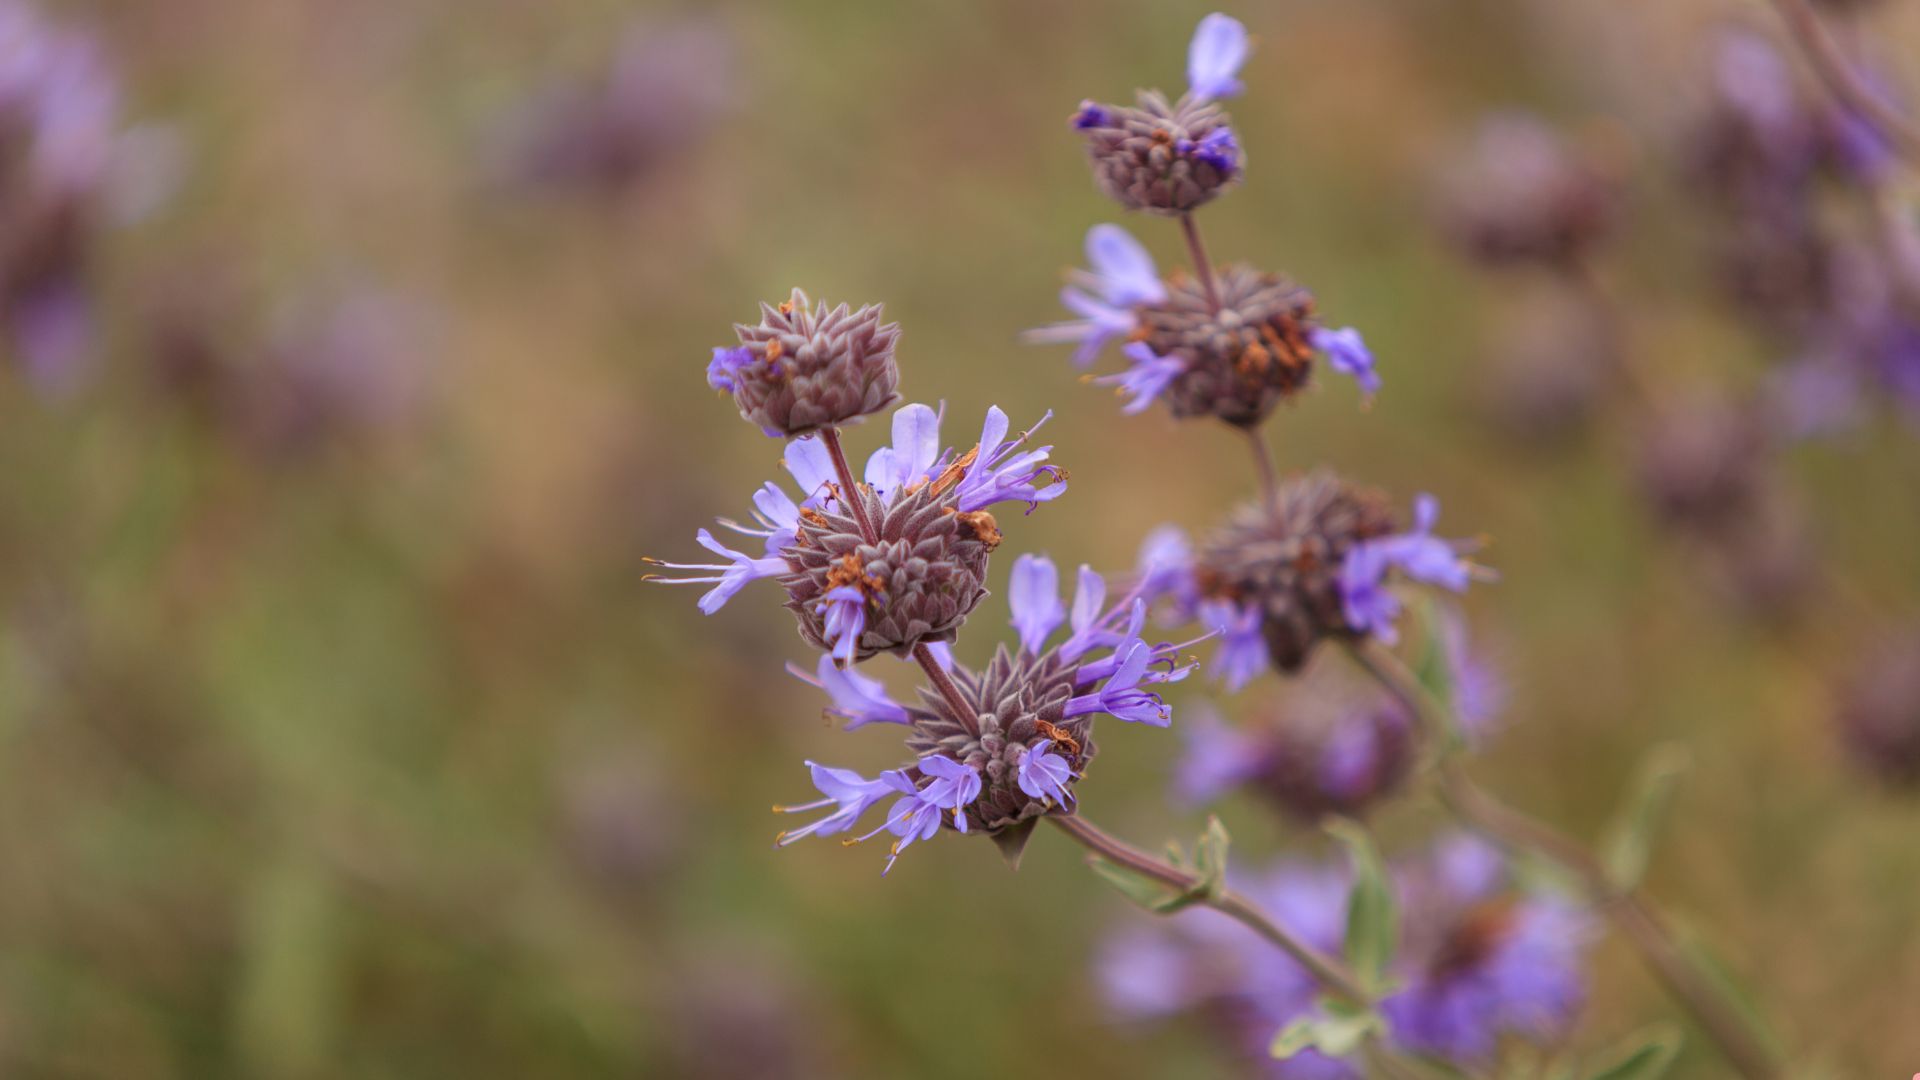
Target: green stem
1635, 916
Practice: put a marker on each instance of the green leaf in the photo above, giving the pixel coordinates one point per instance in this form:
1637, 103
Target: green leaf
1372, 922
1150, 893
1629, 841
1334, 1032
1210, 859
1644, 1056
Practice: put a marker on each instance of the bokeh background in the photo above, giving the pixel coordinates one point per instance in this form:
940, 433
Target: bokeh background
340, 736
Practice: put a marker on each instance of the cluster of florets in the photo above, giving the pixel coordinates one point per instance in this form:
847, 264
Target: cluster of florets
66, 166
1314, 563
1231, 343
894, 563
1479, 962
1172, 157
1761, 151
1879, 712
1234, 362
804, 367
1026, 735
1519, 193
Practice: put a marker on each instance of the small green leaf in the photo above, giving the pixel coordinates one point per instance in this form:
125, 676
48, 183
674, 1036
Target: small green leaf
1644, 1056
1334, 1032
1372, 922
1629, 842
1154, 895
1210, 859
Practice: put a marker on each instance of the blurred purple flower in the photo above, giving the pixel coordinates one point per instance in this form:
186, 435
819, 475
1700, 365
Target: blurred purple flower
1033, 594
1122, 276
1146, 378
1214, 57
1347, 354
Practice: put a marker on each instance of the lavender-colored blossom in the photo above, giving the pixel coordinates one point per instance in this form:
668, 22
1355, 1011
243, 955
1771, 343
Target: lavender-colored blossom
1148, 376
776, 517
812, 469
1243, 649
845, 618
1214, 57
1347, 354
913, 455
1479, 690
1218, 758
1033, 594
1044, 775
1370, 607
1121, 696
725, 365
849, 793
1165, 567
856, 699
1091, 114
1217, 148
1120, 275
916, 816
998, 474
731, 576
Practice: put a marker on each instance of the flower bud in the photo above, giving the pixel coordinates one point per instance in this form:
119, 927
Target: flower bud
1165, 158
804, 367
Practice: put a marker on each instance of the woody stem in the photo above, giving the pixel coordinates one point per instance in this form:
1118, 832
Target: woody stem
1202, 266
948, 689
849, 494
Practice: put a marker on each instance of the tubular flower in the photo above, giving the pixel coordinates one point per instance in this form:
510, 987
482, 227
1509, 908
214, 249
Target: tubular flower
1120, 276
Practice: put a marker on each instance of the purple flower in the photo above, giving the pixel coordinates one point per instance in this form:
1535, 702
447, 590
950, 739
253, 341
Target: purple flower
1043, 775
1148, 376
1219, 757
1218, 49
1479, 693
812, 468
847, 791
1243, 651
1369, 606
1091, 114
732, 576
916, 816
776, 518
953, 786
1218, 148
1121, 696
1347, 354
845, 610
1033, 594
1478, 965
856, 699
725, 366
1000, 475
914, 453
1122, 276
1088, 620
1165, 567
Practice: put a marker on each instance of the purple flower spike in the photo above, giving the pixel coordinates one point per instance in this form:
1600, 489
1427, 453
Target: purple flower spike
856, 699
725, 367
1043, 775
1213, 59
845, 611
847, 791
1347, 354
1148, 376
1121, 274
732, 575
1243, 650
998, 474
1033, 592
1122, 697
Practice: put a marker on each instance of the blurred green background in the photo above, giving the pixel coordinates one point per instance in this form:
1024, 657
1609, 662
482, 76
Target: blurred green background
382, 761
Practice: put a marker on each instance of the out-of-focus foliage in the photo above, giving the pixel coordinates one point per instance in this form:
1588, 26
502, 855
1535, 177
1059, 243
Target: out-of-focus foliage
338, 735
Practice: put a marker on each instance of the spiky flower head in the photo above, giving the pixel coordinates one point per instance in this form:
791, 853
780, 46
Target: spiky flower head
1172, 157
1879, 712
804, 366
1704, 464
1285, 561
1520, 193
999, 747
1237, 363
1312, 757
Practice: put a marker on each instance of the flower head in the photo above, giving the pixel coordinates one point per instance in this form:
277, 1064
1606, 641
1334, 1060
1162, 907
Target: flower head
812, 367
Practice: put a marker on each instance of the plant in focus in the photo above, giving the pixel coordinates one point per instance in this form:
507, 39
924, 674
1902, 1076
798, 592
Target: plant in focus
1466, 958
